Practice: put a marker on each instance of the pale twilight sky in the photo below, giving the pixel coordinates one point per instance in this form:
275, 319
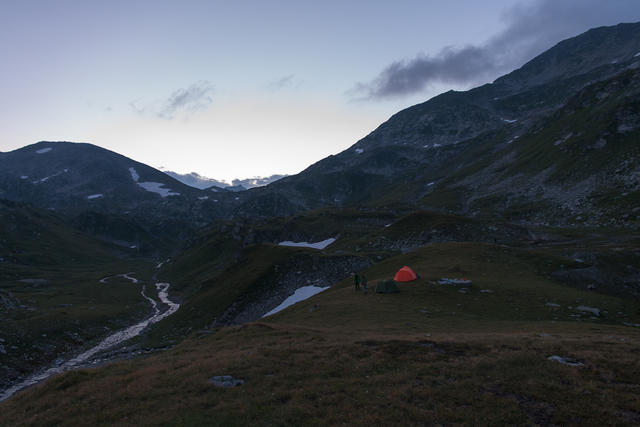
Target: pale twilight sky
235, 89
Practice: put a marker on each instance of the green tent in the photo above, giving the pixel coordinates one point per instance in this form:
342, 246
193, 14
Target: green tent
387, 287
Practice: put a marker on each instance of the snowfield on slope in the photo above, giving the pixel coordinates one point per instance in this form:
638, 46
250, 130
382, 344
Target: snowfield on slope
318, 245
154, 187
300, 294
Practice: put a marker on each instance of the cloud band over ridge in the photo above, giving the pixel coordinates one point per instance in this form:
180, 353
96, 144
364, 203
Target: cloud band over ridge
531, 29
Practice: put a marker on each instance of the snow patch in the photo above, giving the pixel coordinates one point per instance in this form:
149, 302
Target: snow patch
44, 150
430, 184
359, 150
46, 178
24, 176
592, 310
636, 55
134, 174
387, 225
563, 139
565, 360
318, 245
300, 294
509, 121
203, 198
437, 145
156, 187
94, 196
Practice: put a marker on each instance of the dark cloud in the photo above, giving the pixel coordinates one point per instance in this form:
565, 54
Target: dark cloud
531, 29
194, 98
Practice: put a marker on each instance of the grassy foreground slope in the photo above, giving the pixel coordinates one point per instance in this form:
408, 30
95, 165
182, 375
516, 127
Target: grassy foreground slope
429, 354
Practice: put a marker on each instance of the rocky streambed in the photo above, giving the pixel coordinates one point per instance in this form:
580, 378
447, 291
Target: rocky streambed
85, 358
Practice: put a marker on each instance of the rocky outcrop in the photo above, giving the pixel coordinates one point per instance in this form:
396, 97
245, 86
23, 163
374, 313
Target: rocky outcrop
284, 278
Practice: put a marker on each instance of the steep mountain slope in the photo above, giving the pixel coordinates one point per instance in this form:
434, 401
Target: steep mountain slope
108, 194
409, 156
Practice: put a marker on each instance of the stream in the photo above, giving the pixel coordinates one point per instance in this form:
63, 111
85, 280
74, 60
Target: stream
110, 341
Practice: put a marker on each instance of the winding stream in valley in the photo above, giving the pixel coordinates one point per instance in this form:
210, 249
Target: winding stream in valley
110, 341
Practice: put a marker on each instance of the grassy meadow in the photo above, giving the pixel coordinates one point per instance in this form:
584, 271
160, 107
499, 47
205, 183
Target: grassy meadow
430, 354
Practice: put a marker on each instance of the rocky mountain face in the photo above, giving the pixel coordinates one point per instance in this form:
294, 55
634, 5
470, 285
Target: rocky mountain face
551, 142
546, 143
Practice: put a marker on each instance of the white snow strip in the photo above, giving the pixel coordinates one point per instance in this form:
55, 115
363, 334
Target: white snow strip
387, 226
359, 150
509, 121
437, 145
94, 196
636, 55
300, 294
430, 184
318, 245
214, 190
24, 176
46, 178
134, 174
203, 198
162, 263
565, 360
592, 310
156, 187
513, 139
44, 150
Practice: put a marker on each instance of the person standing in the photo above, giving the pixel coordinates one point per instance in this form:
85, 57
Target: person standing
356, 281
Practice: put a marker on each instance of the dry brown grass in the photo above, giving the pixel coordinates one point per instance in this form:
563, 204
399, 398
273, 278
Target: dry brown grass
302, 376
401, 359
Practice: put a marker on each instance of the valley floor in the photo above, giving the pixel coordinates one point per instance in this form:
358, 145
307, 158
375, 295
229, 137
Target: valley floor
427, 355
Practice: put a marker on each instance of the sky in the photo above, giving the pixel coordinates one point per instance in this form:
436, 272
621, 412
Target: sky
237, 89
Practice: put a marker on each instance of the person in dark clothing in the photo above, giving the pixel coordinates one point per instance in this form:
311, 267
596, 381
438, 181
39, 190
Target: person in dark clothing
356, 281
364, 284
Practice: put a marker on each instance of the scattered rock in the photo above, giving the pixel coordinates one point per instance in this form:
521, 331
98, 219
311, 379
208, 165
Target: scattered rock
633, 325
226, 381
565, 361
585, 309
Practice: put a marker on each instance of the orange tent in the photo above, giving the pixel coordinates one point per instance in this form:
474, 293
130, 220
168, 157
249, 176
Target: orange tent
405, 274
